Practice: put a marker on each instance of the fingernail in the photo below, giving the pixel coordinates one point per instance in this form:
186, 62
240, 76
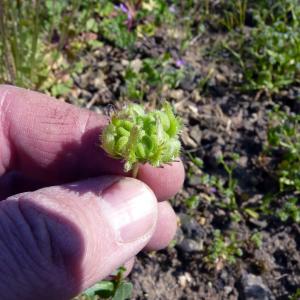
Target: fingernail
131, 209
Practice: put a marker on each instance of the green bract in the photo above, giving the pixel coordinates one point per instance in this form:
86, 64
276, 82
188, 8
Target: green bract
140, 137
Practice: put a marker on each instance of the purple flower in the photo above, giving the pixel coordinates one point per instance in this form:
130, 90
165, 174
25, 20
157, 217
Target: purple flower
179, 63
172, 9
213, 190
124, 9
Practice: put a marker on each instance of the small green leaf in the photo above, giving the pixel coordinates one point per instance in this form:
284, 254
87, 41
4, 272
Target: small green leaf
253, 214
123, 291
192, 202
103, 289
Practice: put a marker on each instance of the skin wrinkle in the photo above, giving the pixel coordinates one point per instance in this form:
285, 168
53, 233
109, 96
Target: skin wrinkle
44, 238
37, 228
60, 123
27, 274
37, 254
62, 128
5, 255
53, 217
55, 129
12, 239
56, 256
49, 263
48, 141
22, 225
56, 125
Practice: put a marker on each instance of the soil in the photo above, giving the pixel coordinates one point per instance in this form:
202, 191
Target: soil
219, 119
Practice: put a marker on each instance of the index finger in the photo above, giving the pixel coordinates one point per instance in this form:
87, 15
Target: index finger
56, 142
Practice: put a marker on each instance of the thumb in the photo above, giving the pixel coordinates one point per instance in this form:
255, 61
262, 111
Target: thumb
57, 241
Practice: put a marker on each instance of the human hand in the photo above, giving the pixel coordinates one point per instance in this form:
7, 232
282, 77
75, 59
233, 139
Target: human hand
62, 237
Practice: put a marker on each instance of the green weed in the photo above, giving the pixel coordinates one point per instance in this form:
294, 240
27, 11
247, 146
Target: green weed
217, 185
256, 239
115, 289
269, 55
154, 75
20, 51
283, 145
233, 14
39, 44
115, 25
284, 138
223, 249
296, 295
192, 202
229, 190
290, 210
124, 23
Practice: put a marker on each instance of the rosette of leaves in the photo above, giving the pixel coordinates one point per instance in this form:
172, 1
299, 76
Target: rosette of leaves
137, 136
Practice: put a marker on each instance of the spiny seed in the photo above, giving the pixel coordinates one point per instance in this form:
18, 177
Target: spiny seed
139, 137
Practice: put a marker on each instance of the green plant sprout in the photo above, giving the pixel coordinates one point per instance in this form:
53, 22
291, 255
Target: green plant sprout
284, 136
137, 136
115, 289
223, 249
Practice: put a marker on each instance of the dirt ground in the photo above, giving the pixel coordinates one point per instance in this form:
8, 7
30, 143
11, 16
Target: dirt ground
218, 119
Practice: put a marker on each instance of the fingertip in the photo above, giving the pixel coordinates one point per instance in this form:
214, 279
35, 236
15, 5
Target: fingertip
165, 181
165, 228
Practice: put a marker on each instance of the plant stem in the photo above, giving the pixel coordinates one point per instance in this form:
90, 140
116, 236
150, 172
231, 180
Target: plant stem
7, 55
135, 170
35, 37
66, 25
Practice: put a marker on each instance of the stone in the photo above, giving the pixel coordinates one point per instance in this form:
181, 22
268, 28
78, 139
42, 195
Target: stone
190, 227
228, 289
187, 141
176, 94
189, 246
195, 133
184, 279
136, 65
179, 236
253, 288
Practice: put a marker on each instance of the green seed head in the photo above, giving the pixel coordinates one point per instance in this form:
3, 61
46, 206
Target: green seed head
140, 137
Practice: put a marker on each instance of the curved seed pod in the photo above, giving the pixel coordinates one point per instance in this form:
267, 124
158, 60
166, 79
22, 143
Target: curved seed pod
139, 137
140, 151
175, 123
108, 143
122, 131
121, 144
